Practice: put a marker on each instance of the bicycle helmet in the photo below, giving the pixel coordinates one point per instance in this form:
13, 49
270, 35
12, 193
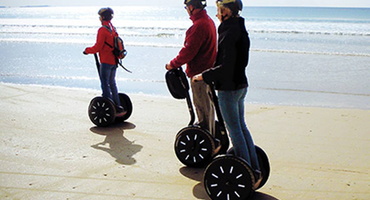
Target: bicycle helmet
200, 4
236, 6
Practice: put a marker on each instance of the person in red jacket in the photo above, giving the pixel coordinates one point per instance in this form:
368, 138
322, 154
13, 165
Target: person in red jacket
199, 53
104, 46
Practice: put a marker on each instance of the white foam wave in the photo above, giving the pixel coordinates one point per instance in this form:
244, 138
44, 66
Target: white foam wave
79, 78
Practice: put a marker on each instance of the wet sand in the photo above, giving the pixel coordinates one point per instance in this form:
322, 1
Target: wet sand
50, 149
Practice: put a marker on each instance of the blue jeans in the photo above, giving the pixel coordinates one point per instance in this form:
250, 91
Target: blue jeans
108, 82
232, 110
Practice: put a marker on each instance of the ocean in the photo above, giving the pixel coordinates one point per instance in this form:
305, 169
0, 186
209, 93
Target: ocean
299, 56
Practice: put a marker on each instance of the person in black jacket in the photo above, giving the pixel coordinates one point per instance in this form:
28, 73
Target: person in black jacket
229, 78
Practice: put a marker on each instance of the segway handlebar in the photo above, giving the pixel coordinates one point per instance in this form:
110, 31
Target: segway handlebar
178, 86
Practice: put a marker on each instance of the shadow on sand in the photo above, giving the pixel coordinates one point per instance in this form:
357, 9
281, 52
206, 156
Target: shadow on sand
116, 144
199, 191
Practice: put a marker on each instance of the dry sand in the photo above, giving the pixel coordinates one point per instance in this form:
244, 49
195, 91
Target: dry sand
50, 149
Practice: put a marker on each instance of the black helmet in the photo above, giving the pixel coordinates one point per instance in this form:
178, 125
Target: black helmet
196, 3
236, 6
106, 13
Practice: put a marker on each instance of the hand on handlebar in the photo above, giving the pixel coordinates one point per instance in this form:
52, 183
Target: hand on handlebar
197, 78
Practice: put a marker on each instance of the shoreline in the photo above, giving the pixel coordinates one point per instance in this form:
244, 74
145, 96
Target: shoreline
50, 149
168, 96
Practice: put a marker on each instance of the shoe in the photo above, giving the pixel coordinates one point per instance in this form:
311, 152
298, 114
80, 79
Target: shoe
120, 111
121, 114
231, 151
258, 176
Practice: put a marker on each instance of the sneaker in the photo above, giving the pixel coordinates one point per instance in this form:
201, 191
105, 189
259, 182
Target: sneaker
258, 176
120, 111
231, 151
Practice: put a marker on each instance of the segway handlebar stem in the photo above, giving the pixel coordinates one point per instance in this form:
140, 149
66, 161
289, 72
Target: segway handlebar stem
191, 109
97, 62
217, 108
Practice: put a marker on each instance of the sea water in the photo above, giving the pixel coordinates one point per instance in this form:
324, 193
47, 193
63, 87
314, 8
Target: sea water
299, 56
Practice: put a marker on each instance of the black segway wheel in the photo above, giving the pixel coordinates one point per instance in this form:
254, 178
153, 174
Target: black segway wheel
127, 105
264, 165
194, 146
102, 111
228, 177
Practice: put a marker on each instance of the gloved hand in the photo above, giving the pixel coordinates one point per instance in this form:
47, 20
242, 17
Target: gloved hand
84, 53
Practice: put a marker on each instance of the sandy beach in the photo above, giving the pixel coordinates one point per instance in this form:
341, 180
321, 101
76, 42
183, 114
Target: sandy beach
50, 149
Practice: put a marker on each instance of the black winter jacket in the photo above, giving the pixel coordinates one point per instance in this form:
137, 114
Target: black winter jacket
232, 56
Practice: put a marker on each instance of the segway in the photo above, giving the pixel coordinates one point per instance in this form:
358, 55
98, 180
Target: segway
231, 177
102, 111
194, 145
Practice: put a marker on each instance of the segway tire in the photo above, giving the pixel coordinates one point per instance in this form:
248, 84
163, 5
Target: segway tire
127, 106
228, 177
102, 111
264, 165
194, 146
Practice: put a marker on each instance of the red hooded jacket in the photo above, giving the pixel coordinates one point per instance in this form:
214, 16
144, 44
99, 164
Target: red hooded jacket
105, 52
200, 46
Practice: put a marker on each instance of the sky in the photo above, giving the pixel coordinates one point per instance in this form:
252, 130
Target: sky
310, 3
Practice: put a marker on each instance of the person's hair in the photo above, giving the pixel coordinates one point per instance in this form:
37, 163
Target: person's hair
106, 13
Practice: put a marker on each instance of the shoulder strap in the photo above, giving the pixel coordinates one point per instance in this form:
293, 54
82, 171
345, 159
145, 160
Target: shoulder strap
120, 64
108, 28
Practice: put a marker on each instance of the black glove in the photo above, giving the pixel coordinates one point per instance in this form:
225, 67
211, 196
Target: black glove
84, 53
